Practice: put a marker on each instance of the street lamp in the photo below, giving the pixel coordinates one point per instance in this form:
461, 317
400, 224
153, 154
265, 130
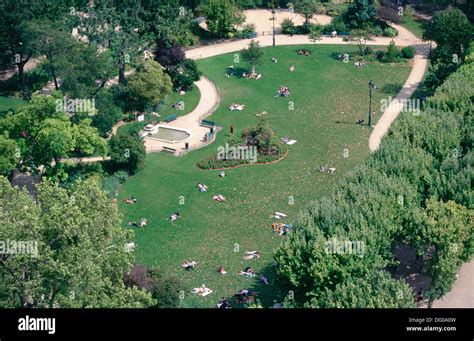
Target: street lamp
273, 18
372, 86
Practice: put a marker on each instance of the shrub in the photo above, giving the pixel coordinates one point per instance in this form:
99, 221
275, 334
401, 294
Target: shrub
376, 31
390, 32
287, 26
408, 11
408, 52
247, 30
380, 55
389, 14
392, 53
127, 152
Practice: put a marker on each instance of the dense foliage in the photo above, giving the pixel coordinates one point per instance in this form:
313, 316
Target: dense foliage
415, 189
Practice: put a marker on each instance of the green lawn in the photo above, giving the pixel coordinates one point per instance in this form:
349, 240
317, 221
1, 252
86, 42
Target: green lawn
417, 27
328, 97
191, 99
7, 103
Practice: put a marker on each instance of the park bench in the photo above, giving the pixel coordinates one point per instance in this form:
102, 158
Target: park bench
251, 35
207, 123
170, 118
169, 150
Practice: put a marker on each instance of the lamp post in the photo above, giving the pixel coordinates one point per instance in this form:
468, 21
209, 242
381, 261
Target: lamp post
372, 86
273, 18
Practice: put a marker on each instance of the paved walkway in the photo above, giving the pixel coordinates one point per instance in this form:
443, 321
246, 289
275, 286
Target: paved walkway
207, 104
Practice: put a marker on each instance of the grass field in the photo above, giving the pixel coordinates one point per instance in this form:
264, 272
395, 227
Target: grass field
7, 103
190, 100
327, 97
417, 27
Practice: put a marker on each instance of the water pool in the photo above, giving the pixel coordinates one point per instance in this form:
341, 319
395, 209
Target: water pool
170, 135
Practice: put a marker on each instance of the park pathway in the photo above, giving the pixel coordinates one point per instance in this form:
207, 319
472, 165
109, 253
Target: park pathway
404, 38
208, 103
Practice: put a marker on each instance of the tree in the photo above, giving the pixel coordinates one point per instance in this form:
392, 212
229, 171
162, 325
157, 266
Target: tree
44, 132
108, 113
86, 139
116, 26
148, 86
221, 16
171, 20
361, 38
392, 53
168, 54
164, 289
15, 37
185, 74
315, 33
253, 54
76, 256
127, 152
443, 233
47, 40
453, 33
9, 155
451, 30
361, 14
307, 8
377, 291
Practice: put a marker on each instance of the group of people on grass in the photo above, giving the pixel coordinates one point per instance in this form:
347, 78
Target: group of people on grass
281, 229
130, 201
236, 107
253, 75
304, 52
329, 170
143, 223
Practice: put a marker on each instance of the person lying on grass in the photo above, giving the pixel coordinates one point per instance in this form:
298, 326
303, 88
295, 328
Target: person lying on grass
264, 280
202, 187
130, 201
248, 272
219, 198
283, 91
236, 107
174, 216
187, 265
221, 270
202, 291
251, 255
223, 304
245, 295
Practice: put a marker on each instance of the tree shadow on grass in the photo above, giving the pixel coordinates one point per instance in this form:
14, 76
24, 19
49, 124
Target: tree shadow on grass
265, 294
391, 89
